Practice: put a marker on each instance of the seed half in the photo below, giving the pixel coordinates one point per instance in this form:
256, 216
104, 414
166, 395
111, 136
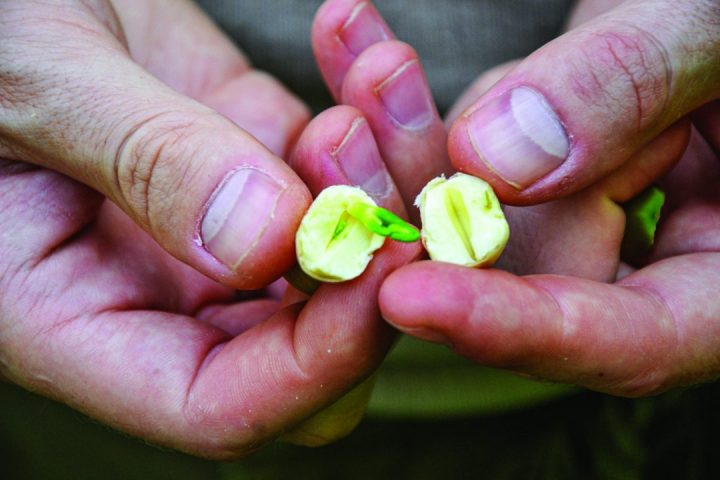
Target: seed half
462, 220
331, 244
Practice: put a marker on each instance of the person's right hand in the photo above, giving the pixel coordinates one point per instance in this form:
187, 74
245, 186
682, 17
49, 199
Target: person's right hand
365, 67
98, 97
587, 108
502, 320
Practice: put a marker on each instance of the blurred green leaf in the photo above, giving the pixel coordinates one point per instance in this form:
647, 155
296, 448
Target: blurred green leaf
642, 215
425, 380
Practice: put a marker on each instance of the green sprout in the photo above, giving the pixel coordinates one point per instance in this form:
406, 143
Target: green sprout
383, 222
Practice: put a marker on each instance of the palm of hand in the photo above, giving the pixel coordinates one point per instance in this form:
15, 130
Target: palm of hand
98, 302
106, 321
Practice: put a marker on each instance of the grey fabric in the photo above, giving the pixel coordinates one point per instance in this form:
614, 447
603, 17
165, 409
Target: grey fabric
456, 39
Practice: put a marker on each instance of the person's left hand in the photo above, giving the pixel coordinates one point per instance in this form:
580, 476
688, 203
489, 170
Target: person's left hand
93, 311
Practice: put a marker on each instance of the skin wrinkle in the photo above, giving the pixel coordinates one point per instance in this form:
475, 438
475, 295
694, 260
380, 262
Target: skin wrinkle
41, 139
201, 78
647, 93
641, 382
140, 156
561, 311
211, 351
61, 87
93, 31
120, 152
105, 12
655, 297
37, 208
14, 277
73, 236
634, 82
662, 86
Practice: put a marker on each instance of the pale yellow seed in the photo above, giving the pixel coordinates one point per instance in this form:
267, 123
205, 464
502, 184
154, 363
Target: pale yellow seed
331, 245
462, 221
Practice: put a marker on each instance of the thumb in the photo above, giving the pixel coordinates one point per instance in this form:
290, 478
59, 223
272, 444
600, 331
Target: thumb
206, 190
582, 105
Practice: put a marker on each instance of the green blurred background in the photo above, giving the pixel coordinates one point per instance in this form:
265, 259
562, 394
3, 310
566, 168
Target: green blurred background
433, 415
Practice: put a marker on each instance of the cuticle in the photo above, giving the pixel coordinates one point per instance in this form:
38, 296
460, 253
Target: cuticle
396, 73
197, 237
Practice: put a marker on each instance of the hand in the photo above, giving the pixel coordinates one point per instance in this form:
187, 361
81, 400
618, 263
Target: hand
94, 312
618, 85
587, 225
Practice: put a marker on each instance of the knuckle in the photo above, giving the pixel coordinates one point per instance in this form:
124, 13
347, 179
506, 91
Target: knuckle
149, 164
627, 70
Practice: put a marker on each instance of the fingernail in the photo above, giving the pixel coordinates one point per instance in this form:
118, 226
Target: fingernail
240, 210
363, 28
406, 97
519, 136
360, 160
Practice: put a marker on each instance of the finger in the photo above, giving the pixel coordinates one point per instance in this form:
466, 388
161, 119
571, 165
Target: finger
66, 241
653, 330
481, 85
338, 148
584, 10
288, 369
206, 66
388, 85
581, 235
690, 219
206, 190
263, 107
237, 318
342, 30
581, 106
647, 165
578, 236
